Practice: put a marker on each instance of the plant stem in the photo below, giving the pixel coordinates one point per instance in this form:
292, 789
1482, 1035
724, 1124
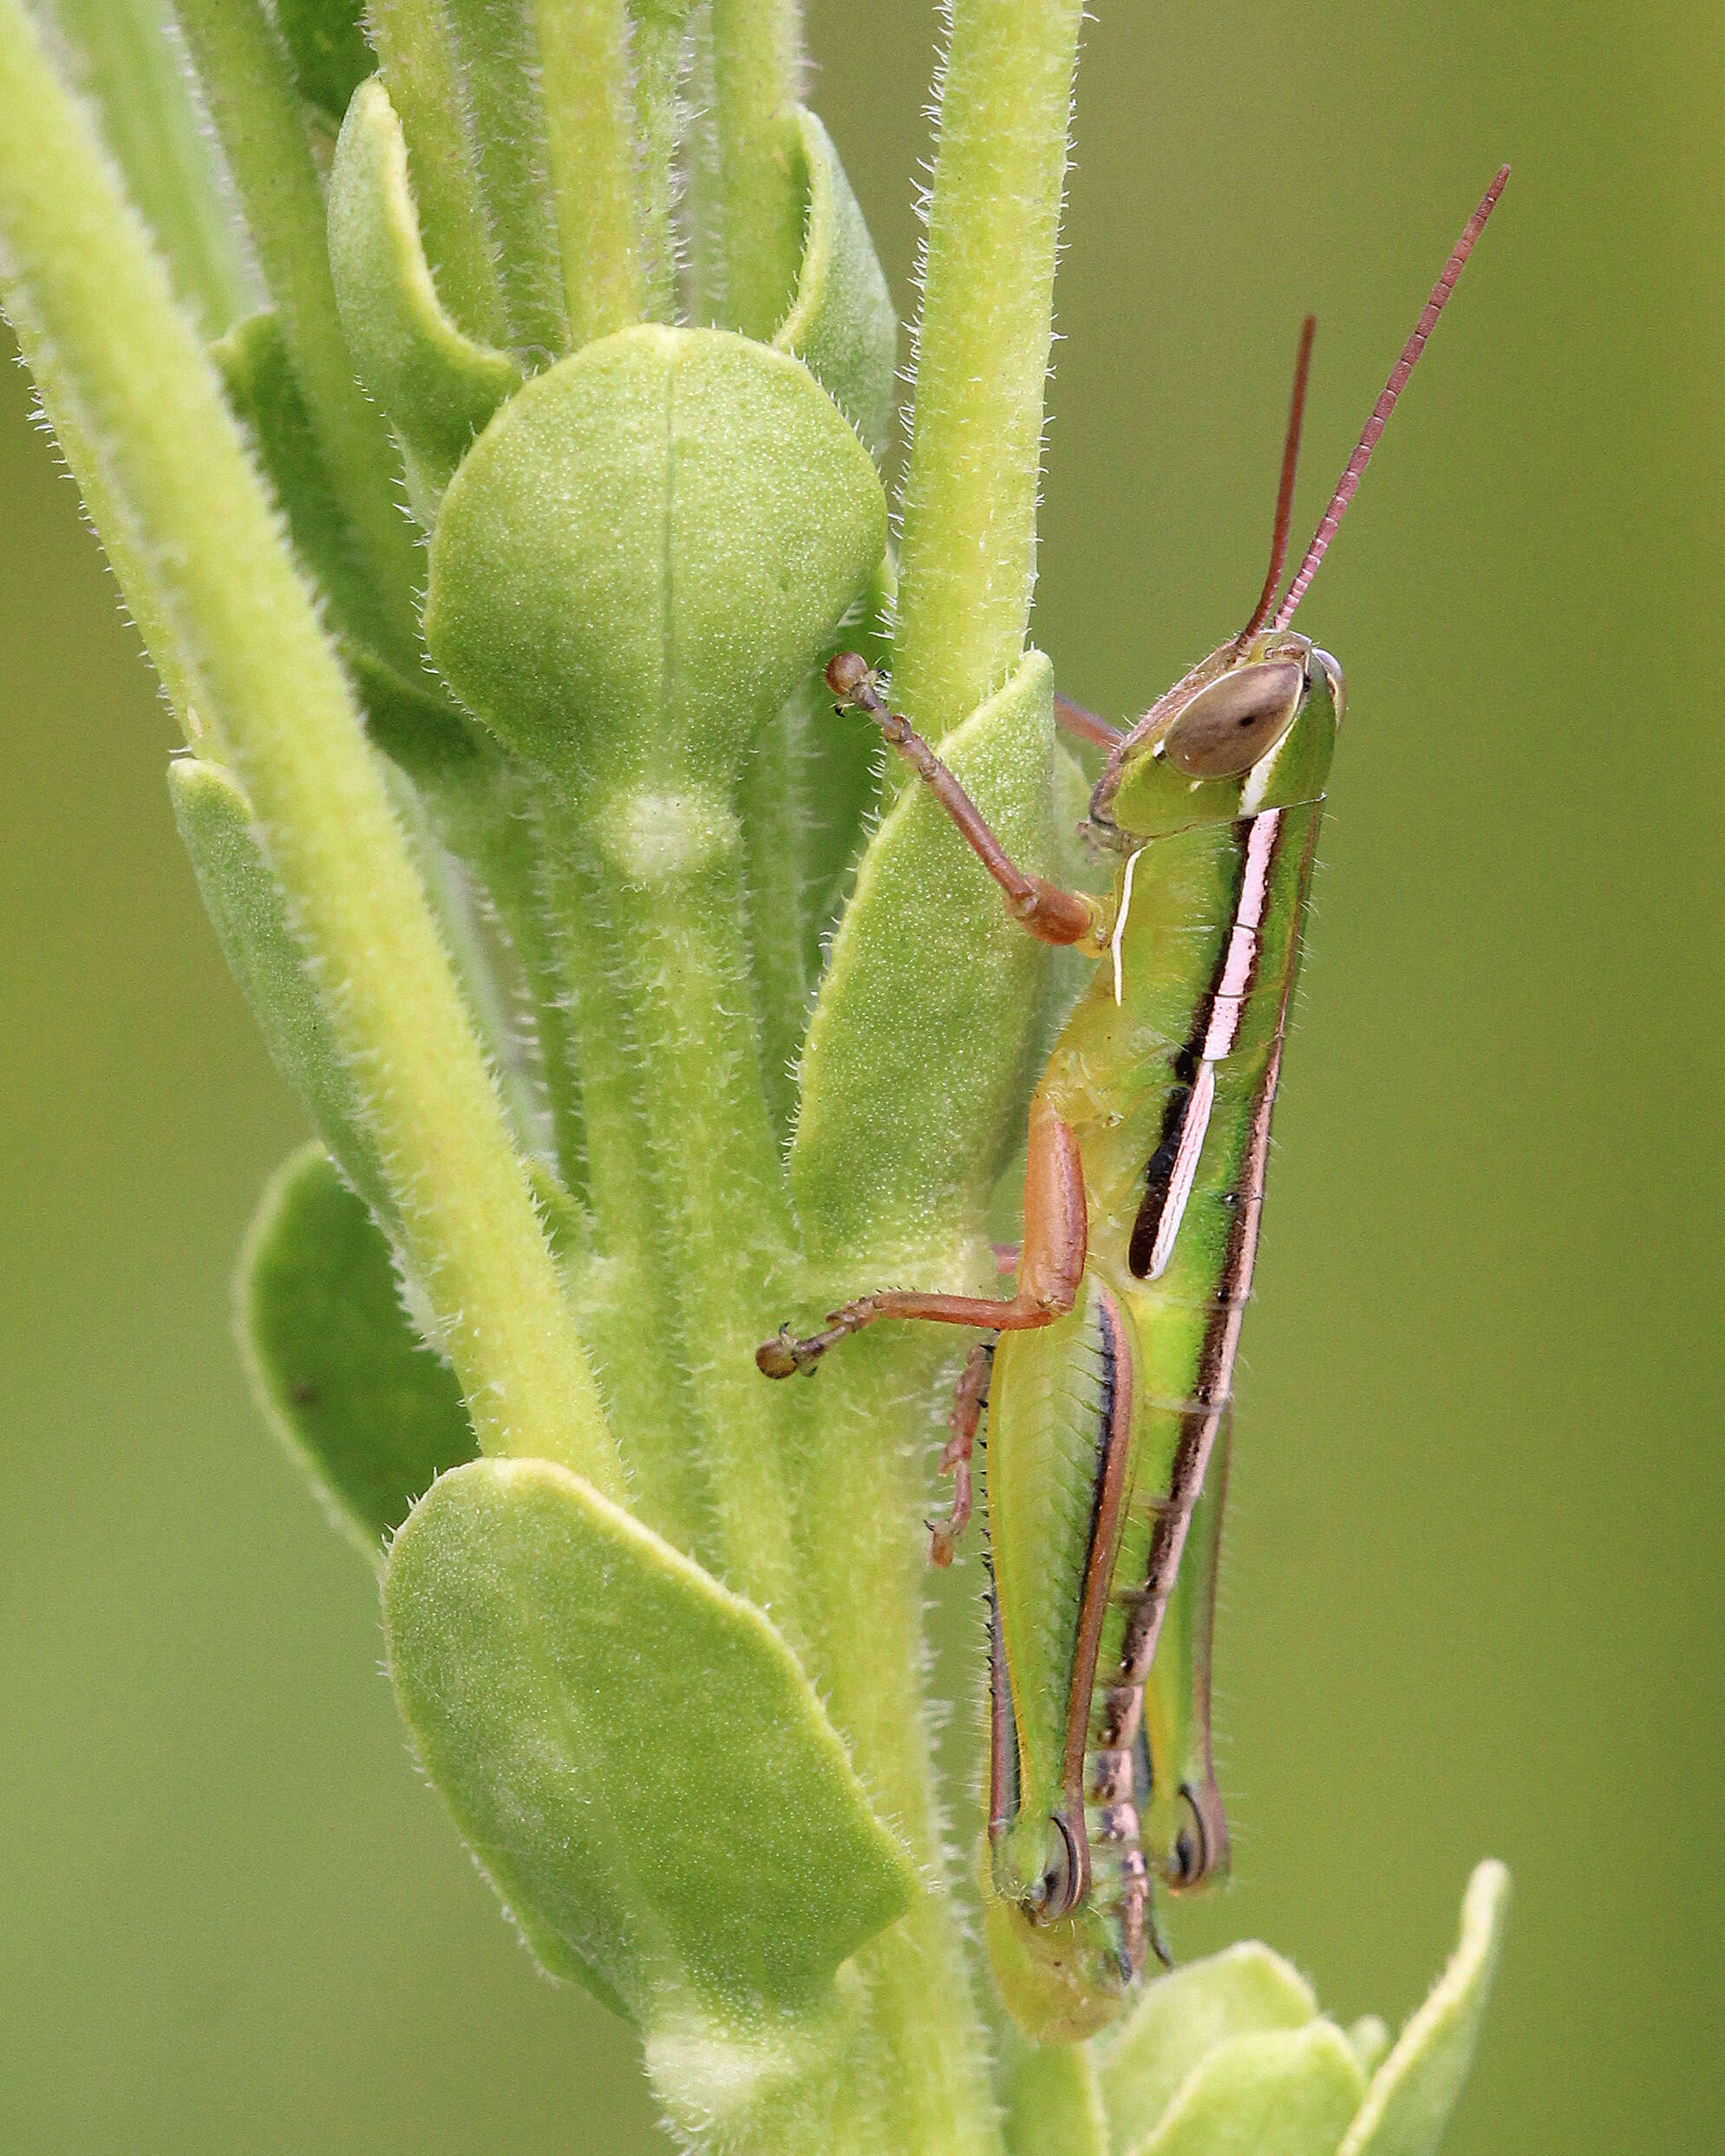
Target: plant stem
757, 61
126, 65
861, 1488
968, 561
584, 51
249, 88
499, 63
677, 929
422, 71
124, 381
775, 812
628, 1309
657, 43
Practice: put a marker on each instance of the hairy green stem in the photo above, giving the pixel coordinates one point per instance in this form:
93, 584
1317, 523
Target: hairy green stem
675, 906
968, 561
584, 51
514, 881
109, 349
416, 49
500, 61
628, 1311
775, 820
657, 39
446, 873
1052, 2098
249, 85
860, 1487
757, 184
123, 60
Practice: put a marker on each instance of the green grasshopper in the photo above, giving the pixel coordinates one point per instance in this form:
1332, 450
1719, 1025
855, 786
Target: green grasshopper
1112, 1363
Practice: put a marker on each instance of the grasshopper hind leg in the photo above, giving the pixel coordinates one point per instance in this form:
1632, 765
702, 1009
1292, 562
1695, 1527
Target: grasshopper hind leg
970, 1398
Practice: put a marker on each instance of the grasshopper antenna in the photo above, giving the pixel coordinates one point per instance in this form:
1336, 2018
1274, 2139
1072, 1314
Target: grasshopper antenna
1284, 495
1386, 403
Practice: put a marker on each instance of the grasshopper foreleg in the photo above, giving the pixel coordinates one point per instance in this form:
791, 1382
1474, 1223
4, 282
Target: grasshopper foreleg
1051, 915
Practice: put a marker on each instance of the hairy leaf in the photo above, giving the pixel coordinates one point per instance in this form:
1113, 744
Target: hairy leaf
841, 324
407, 715
337, 1366
1287, 2091
1244, 1990
631, 1750
249, 912
910, 1070
1414, 2090
437, 385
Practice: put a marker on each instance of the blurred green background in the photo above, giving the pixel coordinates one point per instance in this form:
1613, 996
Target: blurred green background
1473, 1585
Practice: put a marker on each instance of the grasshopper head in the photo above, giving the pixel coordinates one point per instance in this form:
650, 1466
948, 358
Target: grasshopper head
1247, 730
1252, 726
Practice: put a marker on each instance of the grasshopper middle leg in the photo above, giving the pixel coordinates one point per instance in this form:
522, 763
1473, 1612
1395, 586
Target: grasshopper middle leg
1050, 1270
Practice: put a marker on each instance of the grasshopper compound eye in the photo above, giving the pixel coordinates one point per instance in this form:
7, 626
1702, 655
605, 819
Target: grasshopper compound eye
1228, 726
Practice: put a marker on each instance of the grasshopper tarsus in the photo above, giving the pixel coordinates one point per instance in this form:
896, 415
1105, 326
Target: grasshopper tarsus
785, 1356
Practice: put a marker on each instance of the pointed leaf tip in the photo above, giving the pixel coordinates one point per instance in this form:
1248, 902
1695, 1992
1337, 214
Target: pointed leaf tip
1414, 2090
841, 325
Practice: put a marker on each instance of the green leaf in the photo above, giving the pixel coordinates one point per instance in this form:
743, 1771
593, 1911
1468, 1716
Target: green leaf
841, 325
258, 377
1287, 2091
1414, 2090
910, 1070
337, 1368
644, 554
633, 1752
1052, 2101
437, 387
1369, 2041
1245, 1990
250, 915
331, 56
407, 717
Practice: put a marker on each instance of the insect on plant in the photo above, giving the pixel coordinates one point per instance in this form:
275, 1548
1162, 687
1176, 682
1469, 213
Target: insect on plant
1107, 1376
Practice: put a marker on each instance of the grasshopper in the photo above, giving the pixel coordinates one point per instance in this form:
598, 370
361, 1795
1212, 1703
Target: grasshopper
1108, 1374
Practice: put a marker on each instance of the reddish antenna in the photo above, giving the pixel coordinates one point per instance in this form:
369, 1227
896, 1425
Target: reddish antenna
1284, 497
1386, 403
